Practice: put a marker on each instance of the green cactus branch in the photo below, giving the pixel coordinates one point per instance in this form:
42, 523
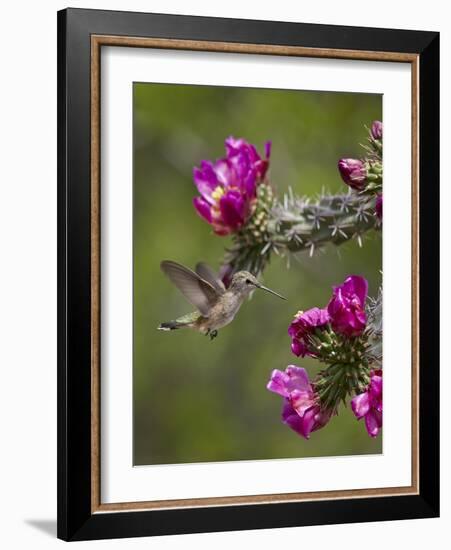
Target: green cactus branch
374, 331
297, 223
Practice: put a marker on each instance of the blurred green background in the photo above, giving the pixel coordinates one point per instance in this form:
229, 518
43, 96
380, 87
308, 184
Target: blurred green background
201, 401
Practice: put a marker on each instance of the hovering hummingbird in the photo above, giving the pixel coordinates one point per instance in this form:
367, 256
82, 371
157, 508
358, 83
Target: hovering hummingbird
216, 305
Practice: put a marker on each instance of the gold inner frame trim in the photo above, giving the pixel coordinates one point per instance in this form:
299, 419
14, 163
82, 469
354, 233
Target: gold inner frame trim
97, 41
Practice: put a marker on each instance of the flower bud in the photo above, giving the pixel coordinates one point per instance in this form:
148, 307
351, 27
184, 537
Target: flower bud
353, 172
376, 129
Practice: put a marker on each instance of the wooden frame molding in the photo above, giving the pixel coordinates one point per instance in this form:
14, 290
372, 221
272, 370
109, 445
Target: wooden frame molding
97, 41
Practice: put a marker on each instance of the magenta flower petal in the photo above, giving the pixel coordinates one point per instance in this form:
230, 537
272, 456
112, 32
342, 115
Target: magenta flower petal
376, 129
301, 400
308, 422
301, 411
298, 348
293, 379
268, 146
298, 378
376, 386
252, 155
203, 208
205, 180
347, 306
360, 316
373, 422
304, 324
322, 417
203, 186
233, 146
378, 207
353, 172
291, 418
360, 405
208, 173
357, 285
315, 317
233, 208
229, 185
261, 169
278, 383
368, 404
225, 175
250, 184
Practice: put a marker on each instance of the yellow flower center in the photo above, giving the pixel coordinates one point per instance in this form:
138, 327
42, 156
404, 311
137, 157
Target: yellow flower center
217, 193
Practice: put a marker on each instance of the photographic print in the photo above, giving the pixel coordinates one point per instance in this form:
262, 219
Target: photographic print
257, 286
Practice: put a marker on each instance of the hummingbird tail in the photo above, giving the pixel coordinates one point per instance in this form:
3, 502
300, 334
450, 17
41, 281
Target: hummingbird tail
170, 325
184, 321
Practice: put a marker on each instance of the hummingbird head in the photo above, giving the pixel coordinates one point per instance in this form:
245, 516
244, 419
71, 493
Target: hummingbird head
244, 283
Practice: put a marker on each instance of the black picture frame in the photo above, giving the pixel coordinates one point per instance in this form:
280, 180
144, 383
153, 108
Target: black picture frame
76, 520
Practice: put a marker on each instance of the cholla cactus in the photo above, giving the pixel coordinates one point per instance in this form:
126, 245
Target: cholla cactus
298, 223
346, 337
374, 331
237, 199
365, 175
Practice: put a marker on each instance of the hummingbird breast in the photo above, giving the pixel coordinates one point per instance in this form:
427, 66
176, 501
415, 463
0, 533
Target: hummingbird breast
222, 313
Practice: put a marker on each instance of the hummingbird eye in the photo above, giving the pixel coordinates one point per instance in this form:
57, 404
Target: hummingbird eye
248, 281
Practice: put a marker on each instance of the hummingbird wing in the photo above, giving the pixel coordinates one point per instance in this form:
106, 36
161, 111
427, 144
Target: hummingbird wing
196, 290
209, 275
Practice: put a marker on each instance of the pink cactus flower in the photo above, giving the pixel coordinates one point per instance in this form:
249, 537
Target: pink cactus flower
368, 404
301, 410
347, 306
304, 324
228, 186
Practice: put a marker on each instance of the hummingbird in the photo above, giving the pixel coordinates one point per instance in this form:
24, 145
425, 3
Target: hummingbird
216, 305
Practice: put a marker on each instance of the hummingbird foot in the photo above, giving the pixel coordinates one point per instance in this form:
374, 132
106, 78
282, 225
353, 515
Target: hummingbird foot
213, 334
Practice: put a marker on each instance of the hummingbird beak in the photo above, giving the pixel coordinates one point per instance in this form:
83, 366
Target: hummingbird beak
270, 291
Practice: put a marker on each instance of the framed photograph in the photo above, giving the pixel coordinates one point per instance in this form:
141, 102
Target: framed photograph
248, 274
